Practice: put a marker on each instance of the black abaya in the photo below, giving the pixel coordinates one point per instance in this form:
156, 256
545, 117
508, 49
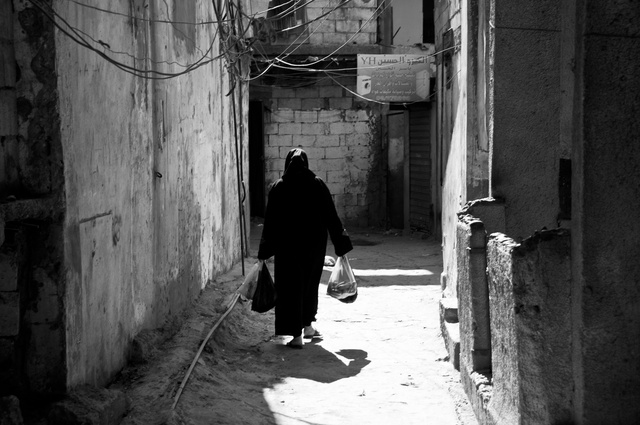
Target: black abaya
300, 212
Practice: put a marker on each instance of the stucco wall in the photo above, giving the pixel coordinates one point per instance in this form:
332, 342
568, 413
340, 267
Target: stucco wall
150, 179
530, 309
342, 137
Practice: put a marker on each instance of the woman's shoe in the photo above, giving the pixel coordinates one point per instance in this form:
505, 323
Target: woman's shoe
310, 332
296, 342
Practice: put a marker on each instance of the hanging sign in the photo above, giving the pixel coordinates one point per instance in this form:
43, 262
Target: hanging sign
394, 78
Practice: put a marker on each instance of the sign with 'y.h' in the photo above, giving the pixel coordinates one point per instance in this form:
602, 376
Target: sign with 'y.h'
394, 78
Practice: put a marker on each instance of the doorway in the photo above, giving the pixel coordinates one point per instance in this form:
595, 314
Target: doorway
409, 204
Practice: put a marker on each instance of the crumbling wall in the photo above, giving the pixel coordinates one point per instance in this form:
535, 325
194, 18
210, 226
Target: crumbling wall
530, 309
150, 176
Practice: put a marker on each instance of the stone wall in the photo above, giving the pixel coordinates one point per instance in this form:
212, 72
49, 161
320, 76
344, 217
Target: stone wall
530, 310
342, 137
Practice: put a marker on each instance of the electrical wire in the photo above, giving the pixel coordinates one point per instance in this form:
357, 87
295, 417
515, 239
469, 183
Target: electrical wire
157, 21
75, 35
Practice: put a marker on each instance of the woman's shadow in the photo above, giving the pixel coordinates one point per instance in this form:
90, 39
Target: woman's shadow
316, 363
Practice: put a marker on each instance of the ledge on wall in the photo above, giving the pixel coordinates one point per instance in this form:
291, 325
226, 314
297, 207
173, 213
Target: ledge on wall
450, 329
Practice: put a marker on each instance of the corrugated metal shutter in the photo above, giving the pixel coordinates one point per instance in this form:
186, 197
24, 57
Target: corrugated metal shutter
420, 166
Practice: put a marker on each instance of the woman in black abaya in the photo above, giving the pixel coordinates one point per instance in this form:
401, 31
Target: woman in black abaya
300, 212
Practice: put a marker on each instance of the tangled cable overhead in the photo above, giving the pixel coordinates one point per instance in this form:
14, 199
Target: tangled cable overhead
240, 37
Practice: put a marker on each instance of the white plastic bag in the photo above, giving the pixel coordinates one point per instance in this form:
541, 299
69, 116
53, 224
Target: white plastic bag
342, 282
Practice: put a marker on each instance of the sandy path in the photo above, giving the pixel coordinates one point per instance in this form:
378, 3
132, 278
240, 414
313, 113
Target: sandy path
381, 359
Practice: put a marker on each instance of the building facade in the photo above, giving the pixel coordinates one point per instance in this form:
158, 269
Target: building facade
540, 186
375, 155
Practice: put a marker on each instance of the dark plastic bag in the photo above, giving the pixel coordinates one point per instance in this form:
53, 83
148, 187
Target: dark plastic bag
248, 287
264, 299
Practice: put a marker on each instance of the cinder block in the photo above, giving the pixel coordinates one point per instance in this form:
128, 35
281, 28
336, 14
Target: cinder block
341, 128
315, 153
356, 115
277, 140
282, 115
334, 153
305, 141
327, 141
331, 165
328, 116
309, 104
315, 129
341, 103
284, 93
290, 128
334, 38
350, 27
306, 116
361, 13
284, 103
316, 37
337, 177
359, 151
333, 91
362, 127
271, 129
9, 313
307, 92
358, 139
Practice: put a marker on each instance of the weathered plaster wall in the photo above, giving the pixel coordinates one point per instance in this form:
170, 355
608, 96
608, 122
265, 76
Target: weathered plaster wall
605, 214
150, 179
530, 299
526, 143
342, 137
451, 133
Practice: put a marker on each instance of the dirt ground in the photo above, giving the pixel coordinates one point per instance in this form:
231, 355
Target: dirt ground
381, 359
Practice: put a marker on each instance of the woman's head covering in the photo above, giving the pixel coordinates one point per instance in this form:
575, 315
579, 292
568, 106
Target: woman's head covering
296, 164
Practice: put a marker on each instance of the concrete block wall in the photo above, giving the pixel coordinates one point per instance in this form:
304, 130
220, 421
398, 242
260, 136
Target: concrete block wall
341, 136
352, 23
530, 310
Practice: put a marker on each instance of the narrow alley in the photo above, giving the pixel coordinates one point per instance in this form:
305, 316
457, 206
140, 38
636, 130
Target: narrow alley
381, 359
